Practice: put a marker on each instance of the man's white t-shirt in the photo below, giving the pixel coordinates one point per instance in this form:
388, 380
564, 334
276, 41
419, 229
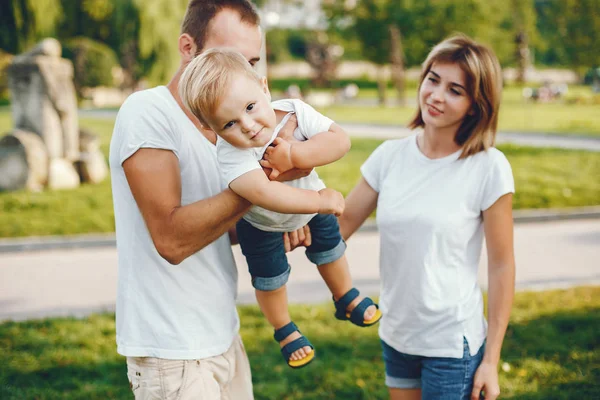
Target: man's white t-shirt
429, 214
235, 162
184, 311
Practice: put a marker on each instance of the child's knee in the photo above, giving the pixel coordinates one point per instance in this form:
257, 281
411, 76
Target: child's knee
327, 256
271, 283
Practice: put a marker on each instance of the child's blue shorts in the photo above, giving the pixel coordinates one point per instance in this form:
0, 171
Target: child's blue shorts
266, 257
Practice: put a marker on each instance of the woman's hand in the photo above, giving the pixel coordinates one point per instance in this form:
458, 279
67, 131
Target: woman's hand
486, 382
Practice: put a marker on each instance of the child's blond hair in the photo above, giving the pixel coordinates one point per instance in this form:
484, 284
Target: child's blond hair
208, 76
484, 87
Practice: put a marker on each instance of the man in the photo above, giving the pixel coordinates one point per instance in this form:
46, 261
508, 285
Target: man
176, 318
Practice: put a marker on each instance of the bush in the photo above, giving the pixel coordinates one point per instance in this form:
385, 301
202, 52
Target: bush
5, 60
93, 62
281, 84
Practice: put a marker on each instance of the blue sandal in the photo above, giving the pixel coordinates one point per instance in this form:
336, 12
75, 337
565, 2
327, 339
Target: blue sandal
294, 345
357, 314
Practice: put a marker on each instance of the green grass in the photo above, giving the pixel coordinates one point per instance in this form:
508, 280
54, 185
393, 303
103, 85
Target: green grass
87, 209
551, 351
578, 113
544, 178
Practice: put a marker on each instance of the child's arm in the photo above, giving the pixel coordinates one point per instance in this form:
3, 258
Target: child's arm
255, 187
321, 149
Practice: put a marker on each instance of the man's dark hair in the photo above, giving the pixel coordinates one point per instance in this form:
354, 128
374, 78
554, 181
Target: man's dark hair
199, 13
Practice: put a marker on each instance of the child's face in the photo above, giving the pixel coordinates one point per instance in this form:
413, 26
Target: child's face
443, 96
244, 116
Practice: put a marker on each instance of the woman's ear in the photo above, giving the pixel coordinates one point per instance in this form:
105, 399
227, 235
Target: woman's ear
265, 87
187, 48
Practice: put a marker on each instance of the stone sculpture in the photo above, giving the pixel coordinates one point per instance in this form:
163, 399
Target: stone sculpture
44, 146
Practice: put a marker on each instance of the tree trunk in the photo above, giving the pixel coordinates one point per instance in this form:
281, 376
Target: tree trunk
397, 61
522, 55
381, 85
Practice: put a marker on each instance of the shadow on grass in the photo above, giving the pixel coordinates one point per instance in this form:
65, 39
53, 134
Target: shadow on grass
102, 380
555, 356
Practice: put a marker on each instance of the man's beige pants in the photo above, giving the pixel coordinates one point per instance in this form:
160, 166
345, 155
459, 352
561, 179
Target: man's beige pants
223, 377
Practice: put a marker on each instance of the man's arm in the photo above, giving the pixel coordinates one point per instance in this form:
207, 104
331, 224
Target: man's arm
177, 231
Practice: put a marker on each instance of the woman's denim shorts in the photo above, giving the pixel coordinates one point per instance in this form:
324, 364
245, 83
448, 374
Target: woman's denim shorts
439, 378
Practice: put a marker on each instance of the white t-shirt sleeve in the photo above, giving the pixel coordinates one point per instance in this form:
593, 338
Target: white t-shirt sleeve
499, 180
310, 121
141, 124
235, 162
373, 169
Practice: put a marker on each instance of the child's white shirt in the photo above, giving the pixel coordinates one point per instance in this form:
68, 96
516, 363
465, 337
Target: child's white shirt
235, 162
429, 214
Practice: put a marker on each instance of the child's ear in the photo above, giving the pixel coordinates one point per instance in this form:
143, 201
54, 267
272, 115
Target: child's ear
265, 87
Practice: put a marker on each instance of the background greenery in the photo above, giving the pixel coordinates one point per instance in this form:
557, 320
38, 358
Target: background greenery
141, 34
551, 352
544, 178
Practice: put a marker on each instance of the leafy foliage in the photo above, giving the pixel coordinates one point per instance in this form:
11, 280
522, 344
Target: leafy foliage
93, 62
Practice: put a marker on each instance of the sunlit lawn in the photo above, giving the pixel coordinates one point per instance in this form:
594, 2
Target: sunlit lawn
527, 118
577, 113
544, 178
552, 351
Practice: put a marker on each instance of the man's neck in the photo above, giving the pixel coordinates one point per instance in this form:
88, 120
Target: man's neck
173, 88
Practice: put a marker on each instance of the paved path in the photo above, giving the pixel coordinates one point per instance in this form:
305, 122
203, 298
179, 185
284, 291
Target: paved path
79, 281
396, 131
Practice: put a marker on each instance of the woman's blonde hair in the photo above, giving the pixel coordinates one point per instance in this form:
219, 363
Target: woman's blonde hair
484, 86
208, 76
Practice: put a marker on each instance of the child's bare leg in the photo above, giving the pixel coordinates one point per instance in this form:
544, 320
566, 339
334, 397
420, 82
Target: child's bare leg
274, 306
336, 275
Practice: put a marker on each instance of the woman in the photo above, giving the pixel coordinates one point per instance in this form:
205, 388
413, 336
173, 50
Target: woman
437, 193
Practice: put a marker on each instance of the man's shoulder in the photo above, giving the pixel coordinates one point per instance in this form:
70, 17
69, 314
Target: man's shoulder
145, 100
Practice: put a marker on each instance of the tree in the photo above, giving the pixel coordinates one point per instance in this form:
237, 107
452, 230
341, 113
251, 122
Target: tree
24, 22
571, 29
402, 32
369, 20
160, 22
521, 23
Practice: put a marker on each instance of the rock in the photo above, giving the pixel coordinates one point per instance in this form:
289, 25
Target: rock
23, 162
62, 175
43, 98
92, 166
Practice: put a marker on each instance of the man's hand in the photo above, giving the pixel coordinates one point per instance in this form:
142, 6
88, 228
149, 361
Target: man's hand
278, 157
300, 237
486, 381
287, 131
287, 134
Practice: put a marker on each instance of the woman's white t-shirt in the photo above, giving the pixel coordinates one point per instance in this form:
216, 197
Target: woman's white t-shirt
429, 214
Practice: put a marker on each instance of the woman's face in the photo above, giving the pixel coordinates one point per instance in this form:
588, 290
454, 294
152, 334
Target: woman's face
443, 97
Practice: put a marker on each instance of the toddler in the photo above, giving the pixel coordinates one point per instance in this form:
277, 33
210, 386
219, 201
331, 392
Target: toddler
227, 95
